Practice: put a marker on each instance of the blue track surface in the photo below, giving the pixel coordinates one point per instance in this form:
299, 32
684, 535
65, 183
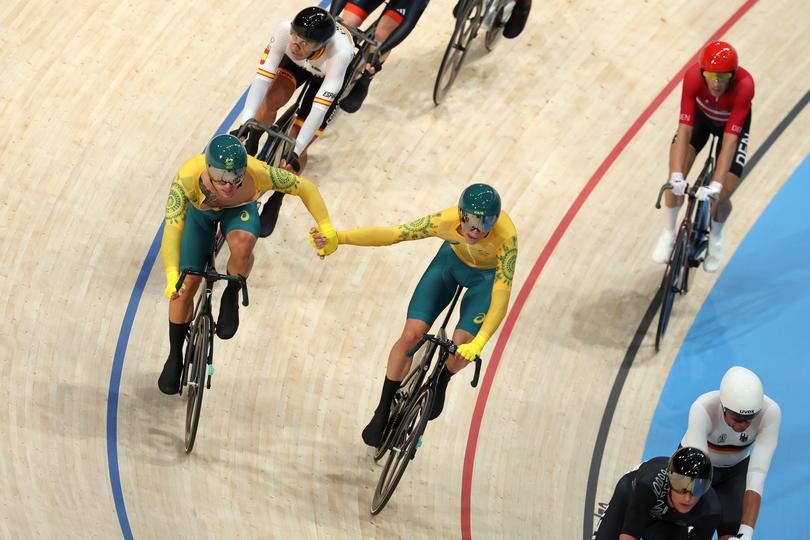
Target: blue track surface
757, 316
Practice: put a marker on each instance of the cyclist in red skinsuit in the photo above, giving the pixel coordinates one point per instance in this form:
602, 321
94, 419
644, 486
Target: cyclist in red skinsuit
716, 99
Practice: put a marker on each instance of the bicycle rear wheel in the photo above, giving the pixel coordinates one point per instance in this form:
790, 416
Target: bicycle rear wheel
671, 284
404, 397
196, 380
469, 20
406, 439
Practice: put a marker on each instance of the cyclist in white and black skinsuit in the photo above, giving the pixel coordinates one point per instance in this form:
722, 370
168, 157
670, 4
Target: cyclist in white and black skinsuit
311, 48
726, 423
662, 499
397, 22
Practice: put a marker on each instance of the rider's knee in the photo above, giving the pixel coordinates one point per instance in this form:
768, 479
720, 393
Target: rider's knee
241, 245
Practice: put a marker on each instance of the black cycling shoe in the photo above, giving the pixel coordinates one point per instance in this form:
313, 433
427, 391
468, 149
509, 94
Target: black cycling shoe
354, 100
517, 21
169, 381
373, 432
228, 320
438, 406
252, 141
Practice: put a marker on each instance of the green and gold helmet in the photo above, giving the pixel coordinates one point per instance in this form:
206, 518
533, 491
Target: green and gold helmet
226, 159
479, 207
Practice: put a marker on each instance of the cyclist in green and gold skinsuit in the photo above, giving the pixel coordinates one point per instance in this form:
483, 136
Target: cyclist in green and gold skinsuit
479, 252
220, 186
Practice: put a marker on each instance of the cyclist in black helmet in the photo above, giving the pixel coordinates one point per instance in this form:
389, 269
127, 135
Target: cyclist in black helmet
664, 499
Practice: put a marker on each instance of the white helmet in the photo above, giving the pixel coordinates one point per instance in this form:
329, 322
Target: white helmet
741, 391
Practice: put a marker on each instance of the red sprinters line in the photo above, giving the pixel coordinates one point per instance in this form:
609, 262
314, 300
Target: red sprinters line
540, 263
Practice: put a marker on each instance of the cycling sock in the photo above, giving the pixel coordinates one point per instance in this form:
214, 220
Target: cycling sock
671, 216
717, 229
389, 388
177, 336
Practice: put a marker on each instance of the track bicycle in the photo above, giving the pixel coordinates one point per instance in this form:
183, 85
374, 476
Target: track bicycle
277, 145
366, 50
691, 243
198, 361
471, 16
411, 408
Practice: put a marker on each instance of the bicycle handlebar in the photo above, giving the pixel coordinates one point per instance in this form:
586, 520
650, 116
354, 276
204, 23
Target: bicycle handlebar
689, 192
273, 131
213, 276
361, 35
451, 349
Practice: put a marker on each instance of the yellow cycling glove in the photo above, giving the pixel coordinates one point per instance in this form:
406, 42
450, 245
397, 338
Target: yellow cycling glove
472, 349
172, 277
330, 234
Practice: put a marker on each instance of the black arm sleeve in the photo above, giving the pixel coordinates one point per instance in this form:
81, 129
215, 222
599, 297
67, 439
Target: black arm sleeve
408, 23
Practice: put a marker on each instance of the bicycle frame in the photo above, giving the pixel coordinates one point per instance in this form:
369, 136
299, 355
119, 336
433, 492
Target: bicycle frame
364, 42
690, 243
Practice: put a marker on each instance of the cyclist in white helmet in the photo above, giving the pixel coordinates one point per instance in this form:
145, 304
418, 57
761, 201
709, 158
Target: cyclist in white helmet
726, 423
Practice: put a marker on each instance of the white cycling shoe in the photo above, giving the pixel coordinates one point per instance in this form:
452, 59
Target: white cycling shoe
663, 248
714, 258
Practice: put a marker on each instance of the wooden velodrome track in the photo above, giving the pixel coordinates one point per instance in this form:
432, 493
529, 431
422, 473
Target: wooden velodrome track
103, 101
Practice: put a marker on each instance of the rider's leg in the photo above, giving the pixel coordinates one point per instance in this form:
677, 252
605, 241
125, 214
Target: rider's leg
277, 95
672, 206
433, 293
474, 306
722, 209
517, 20
195, 244
241, 228
398, 365
454, 364
720, 212
354, 99
181, 310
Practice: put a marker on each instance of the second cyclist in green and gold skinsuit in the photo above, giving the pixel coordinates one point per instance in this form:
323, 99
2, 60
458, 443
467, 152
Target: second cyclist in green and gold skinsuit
479, 253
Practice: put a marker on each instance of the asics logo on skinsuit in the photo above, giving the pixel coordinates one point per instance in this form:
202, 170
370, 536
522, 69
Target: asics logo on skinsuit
479, 318
244, 216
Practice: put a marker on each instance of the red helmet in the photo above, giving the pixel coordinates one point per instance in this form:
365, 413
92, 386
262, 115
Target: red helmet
718, 57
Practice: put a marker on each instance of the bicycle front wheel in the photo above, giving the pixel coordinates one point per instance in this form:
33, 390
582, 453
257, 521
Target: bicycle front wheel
469, 19
671, 285
196, 380
406, 440
405, 396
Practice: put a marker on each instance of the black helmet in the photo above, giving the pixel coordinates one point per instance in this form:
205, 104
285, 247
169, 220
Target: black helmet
314, 24
690, 469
